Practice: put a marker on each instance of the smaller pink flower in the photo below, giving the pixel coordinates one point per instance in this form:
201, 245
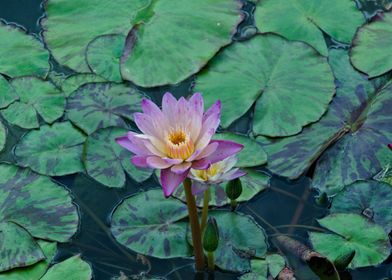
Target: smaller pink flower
177, 138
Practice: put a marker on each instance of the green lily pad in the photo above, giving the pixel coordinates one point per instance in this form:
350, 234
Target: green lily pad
240, 239
53, 150
372, 46
149, 224
252, 154
36, 97
162, 50
103, 56
107, 162
31, 205
272, 264
68, 39
306, 20
33, 272
21, 54
101, 105
7, 93
73, 82
371, 199
282, 77
252, 183
3, 136
70, 269
292, 156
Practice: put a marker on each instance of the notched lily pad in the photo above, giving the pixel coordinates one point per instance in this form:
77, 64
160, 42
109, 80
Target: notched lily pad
149, 224
107, 162
72, 268
3, 136
54, 150
35, 97
7, 93
352, 232
101, 105
272, 264
73, 82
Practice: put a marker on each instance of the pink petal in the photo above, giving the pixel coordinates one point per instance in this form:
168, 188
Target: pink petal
158, 163
194, 156
169, 103
224, 150
233, 174
214, 109
150, 108
140, 161
197, 104
211, 148
133, 144
196, 107
181, 168
170, 181
201, 164
198, 187
148, 125
208, 130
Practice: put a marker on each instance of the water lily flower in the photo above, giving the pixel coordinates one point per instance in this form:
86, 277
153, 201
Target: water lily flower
217, 173
177, 138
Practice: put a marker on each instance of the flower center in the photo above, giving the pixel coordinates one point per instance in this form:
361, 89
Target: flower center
179, 144
206, 174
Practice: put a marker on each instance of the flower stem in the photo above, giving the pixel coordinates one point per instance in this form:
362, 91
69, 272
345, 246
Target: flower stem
233, 204
195, 226
211, 261
204, 213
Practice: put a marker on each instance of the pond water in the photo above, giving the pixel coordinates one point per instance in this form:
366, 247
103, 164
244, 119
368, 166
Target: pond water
286, 207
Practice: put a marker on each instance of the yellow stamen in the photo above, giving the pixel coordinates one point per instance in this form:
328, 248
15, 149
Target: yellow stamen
179, 145
210, 172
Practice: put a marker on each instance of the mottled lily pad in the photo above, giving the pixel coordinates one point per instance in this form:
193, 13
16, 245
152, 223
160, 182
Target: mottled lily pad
35, 97
7, 93
70, 269
282, 77
107, 162
31, 205
252, 154
352, 232
103, 56
240, 239
162, 50
73, 82
362, 137
272, 264
306, 20
252, 183
3, 136
53, 150
372, 47
21, 54
68, 39
149, 224
101, 105
371, 199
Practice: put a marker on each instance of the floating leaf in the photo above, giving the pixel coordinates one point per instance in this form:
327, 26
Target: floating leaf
21, 54
36, 97
290, 76
240, 239
53, 150
73, 82
101, 105
3, 136
291, 157
107, 162
162, 50
70, 269
103, 56
306, 20
353, 232
149, 224
272, 264
371, 199
252, 183
7, 93
372, 47
252, 154
68, 39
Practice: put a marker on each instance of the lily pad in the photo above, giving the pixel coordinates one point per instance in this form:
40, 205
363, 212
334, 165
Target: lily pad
3, 136
7, 93
149, 224
31, 205
355, 103
252, 183
36, 97
73, 82
53, 150
240, 239
21, 54
252, 154
372, 46
162, 50
306, 20
352, 232
107, 162
70, 269
103, 56
68, 39
101, 105
272, 264
371, 199
282, 77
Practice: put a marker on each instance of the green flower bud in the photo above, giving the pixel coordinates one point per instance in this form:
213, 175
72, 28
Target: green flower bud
234, 189
342, 261
211, 236
322, 199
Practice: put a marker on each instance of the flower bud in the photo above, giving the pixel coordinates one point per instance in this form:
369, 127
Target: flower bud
211, 236
234, 189
322, 199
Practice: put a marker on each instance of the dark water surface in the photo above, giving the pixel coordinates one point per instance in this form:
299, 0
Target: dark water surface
287, 207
